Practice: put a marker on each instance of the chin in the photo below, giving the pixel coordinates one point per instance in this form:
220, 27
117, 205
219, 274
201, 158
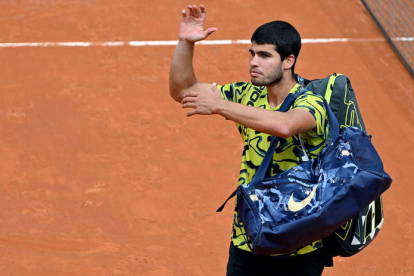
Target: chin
259, 83
256, 82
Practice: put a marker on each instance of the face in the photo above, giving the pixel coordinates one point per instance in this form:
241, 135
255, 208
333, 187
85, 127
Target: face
266, 68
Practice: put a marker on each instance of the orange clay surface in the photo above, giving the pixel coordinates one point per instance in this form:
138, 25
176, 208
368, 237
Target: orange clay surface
101, 173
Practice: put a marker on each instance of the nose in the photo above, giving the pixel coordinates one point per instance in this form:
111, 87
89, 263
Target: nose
254, 61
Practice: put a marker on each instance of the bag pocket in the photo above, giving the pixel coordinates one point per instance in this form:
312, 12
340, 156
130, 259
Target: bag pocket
279, 201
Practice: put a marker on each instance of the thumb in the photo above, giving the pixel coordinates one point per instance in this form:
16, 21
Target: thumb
209, 31
214, 88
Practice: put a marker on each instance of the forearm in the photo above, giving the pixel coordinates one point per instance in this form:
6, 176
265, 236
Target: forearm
182, 75
266, 121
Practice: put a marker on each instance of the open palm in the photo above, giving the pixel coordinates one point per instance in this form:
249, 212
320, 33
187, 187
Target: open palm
192, 25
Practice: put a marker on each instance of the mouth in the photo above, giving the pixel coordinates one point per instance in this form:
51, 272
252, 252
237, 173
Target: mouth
254, 73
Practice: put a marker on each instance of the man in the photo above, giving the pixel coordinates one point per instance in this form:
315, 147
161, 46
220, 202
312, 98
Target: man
253, 107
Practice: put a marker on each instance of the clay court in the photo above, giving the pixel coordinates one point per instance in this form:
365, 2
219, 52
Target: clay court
101, 172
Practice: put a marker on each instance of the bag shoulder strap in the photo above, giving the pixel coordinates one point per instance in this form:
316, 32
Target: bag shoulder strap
333, 132
261, 171
259, 175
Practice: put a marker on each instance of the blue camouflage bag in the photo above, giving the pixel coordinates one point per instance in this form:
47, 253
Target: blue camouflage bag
310, 201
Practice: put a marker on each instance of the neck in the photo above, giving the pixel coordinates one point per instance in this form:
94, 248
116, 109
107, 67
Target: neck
276, 93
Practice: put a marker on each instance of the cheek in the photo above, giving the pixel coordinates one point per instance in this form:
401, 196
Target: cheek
274, 68
269, 66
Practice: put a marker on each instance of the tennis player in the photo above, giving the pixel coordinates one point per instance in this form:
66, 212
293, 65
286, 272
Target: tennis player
253, 106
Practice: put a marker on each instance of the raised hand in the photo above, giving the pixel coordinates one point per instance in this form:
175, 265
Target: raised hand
192, 24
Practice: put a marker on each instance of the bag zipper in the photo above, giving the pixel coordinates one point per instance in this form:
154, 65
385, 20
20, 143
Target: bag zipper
285, 182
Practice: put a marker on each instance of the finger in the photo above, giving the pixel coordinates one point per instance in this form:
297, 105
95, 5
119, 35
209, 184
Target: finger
203, 11
209, 31
190, 94
189, 105
213, 86
192, 112
197, 12
215, 89
190, 10
184, 13
188, 100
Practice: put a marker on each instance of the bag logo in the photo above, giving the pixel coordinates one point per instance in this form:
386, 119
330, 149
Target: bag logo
297, 206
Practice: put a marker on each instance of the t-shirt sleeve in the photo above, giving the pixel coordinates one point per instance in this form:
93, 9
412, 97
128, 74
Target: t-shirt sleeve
316, 106
234, 92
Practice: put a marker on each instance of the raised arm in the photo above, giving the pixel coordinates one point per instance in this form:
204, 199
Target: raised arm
182, 76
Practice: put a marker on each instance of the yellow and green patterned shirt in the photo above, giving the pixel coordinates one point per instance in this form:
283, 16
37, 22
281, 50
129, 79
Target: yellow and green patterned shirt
286, 155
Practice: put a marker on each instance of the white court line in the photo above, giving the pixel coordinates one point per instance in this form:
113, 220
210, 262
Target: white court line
403, 38
174, 42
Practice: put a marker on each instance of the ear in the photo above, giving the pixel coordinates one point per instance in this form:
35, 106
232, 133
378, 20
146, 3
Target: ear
288, 62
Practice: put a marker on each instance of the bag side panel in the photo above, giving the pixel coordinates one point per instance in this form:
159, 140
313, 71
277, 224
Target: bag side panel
248, 213
344, 100
349, 239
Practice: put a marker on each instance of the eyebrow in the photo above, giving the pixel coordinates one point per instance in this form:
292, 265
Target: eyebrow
260, 52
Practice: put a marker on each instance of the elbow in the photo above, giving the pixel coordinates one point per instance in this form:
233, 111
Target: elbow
283, 130
176, 95
177, 91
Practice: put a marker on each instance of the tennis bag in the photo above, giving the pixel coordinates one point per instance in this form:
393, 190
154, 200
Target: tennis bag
357, 233
310, 201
